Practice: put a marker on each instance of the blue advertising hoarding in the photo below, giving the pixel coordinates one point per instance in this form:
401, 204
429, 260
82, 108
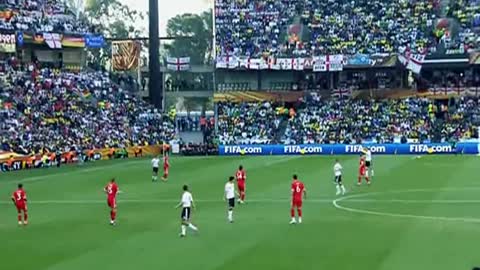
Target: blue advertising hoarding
94, 41
349, 149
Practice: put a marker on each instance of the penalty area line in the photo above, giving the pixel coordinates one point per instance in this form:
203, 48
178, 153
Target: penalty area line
398, 215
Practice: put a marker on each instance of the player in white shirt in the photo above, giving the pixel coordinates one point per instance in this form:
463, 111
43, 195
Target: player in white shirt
337, 170
368, 161
187, 205
229, 196
155, 164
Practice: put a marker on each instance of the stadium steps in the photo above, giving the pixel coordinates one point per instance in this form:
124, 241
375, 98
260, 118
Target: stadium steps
281, 130
438, 125
192, 136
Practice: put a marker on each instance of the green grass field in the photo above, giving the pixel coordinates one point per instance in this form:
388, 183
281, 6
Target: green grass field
418, 214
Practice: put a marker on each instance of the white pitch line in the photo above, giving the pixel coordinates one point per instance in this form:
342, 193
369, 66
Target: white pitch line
345, 199
160, 201
417, 201
82, 170
397, 215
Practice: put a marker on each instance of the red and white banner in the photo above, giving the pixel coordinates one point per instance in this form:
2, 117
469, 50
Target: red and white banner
454, 90
228, 62
272, 63
251, 63
325, 63
285, 63
178, 64
412, 61
232, 62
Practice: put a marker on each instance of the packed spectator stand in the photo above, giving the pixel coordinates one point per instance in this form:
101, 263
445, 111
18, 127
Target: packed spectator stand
41, 16
318, 120
43, 108
247, 123
467, 14
306, 27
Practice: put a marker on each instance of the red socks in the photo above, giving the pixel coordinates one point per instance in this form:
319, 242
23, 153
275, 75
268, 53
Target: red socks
113, 215
360, 180
299, 212
242, 195
25, 217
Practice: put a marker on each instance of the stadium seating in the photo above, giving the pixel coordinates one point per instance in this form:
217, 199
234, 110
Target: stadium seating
252, 27
349, 121
41, 16
53, 109
307, 27
247, 123
350, 27
467, 15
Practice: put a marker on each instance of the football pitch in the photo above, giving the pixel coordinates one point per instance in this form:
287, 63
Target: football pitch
417, 214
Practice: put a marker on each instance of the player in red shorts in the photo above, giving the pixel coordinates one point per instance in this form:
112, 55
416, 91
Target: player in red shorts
298, 194
19, 198
112, 189
362, 170
241, 177
166, 165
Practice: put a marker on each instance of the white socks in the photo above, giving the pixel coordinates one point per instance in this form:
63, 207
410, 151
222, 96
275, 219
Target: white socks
338, 189
230, 215
191, 226
184, 228
341, 189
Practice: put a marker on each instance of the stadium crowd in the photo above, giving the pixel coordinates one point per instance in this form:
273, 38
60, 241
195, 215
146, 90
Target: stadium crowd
308, 27
317, 120
41, 16
351, 27
467, 13
247, 123
53, 109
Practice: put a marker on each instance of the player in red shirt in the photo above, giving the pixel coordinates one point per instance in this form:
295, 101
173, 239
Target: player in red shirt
241, 177
112, 189
362, 170
298, 194
166, 165
19, 198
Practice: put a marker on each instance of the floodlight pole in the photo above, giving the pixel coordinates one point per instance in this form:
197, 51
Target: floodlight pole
155, 85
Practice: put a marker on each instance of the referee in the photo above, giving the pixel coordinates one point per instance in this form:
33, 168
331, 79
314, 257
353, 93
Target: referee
187, 204
230, 197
